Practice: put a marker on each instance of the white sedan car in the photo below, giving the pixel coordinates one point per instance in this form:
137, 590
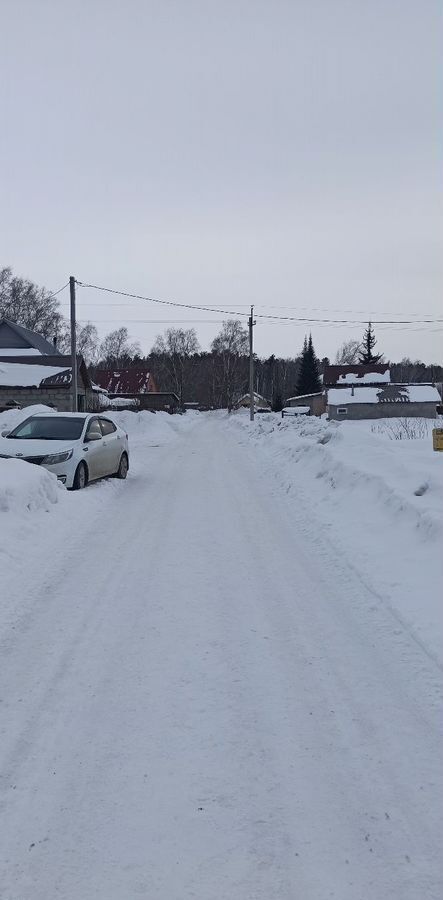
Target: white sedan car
76, 447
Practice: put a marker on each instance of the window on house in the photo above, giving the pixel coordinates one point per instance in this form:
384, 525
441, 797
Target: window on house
342, 410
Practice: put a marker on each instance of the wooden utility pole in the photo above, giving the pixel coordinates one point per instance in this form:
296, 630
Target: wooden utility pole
251, 365
74, 393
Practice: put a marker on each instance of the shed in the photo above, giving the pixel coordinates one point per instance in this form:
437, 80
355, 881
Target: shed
316, 402
385, 401
159, 401
260, 403
136, 387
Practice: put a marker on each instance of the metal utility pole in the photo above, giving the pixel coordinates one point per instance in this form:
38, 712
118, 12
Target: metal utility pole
251, 366
73, 346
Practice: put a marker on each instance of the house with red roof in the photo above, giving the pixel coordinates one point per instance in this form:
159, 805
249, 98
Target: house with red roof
137, 387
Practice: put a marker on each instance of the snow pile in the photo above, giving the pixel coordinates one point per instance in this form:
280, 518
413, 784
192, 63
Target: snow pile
12, 417
380, 501
117, 402
26, 488
151, 429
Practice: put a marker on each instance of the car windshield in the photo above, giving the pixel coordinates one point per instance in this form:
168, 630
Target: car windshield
49, 428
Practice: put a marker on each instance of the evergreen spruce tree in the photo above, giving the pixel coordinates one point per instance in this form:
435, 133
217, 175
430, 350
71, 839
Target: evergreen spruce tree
277, 404
308, 381
366, 355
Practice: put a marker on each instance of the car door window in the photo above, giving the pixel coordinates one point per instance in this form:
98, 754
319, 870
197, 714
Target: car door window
107, 427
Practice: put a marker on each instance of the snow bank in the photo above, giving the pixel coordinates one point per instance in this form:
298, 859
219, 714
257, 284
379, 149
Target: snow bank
379, 501
151, 429
13, 417
25, 488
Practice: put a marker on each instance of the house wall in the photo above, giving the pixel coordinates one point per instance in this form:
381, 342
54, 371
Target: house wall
383, 411
60, 398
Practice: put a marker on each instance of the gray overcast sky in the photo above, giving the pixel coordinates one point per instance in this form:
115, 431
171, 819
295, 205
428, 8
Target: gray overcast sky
283, 153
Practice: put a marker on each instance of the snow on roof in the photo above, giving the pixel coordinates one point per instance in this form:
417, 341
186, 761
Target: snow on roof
365, 378
392, 393
356, 373
22, 375
302, 396
22, 351
296, 410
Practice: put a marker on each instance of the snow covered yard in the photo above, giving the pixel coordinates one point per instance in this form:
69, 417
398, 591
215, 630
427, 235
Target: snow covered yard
378, 499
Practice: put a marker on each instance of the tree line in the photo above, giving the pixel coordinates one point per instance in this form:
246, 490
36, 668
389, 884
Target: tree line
214, 378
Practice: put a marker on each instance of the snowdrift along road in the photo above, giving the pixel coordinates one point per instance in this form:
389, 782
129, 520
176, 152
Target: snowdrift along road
202, 699
378, 503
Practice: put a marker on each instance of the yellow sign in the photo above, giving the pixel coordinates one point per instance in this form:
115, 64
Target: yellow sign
437, 438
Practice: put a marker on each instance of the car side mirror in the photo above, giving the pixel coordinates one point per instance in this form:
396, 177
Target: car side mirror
5, 433
93, 437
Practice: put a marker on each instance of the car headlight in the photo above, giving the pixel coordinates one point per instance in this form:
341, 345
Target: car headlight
54, 458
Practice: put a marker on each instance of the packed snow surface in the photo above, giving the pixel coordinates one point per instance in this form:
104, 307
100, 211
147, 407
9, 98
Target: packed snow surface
209, 688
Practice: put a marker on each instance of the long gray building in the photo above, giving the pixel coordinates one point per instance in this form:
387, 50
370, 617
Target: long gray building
385, 401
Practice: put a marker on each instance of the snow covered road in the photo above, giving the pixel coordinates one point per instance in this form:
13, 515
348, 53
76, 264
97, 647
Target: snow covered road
201, 702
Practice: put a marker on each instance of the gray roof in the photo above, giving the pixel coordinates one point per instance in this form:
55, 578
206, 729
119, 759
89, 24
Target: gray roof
16, 337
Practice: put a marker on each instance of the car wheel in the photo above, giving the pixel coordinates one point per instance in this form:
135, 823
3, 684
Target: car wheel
80, 477
122, 470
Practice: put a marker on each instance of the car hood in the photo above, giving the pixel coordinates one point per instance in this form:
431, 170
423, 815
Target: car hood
20, 448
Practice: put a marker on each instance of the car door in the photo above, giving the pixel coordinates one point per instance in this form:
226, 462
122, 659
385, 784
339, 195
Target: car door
112, 444
95, 452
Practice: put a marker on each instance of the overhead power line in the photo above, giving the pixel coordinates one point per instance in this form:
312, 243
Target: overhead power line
229, 312
105, 304
54, 293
